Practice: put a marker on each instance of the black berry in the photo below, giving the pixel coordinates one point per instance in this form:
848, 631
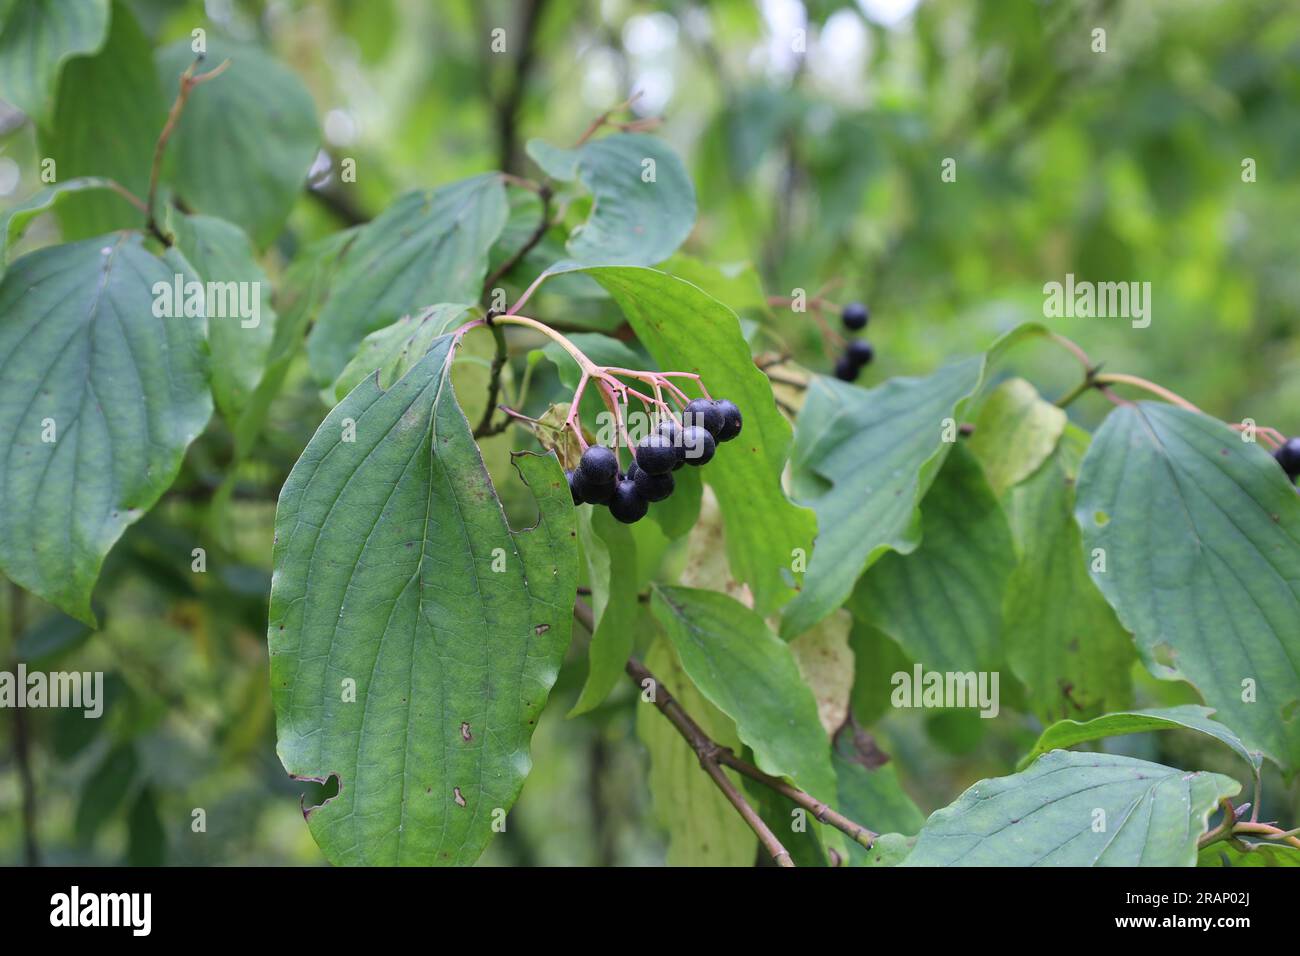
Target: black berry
1288, 456
596, 493
670, 430
859, 352
653, 487
655, 454
627, 505
632, 469
705, 414
731, 420
845, 370
574, 489
599, 466
699, 445
855, 316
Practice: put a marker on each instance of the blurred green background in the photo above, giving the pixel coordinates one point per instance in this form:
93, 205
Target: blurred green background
816, 133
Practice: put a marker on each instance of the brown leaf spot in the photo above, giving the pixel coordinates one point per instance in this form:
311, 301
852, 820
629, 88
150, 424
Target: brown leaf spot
460, 801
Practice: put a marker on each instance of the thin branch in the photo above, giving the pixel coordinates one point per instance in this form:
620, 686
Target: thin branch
187, 83
710, 756
22, 737
509, 156
529, 245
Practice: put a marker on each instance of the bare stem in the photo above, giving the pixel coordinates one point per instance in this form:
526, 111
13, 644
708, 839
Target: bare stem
187, 83
1117, 378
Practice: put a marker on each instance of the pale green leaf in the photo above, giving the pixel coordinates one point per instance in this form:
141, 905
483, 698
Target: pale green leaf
1015, 431
36, 38
610, 552
394, 349
643, 200
428, 247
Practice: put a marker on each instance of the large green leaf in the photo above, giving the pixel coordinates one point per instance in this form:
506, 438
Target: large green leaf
1015, 431
610, 552
749, 674
1201, 537
428, 247
125, 392
1067, 733
1062, 639
1075, 809
863, 460
869, 791
107, 119
643, 204
246, 139
943, 602
237, 299
703, 827
686, 330
36, 37
395, 568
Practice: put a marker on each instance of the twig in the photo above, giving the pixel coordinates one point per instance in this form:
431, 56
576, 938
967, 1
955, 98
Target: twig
187, 83
507, 108
534, 238
710, 756
22, 740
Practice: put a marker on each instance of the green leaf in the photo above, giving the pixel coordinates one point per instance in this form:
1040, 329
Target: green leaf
428, 247
688, 331
736, 284
1199, 531
943, 602
703, 827
125, 393
863, 460
1015, 431
36, 38
395, 568
749, 674
1074, 809
394, 349
1062, 639
633, 221
890, 849
876, 659
13, 221
1067, 733
1249, 854
237, 299
249, 171
610, 551
825, 664
146, 839
106, 121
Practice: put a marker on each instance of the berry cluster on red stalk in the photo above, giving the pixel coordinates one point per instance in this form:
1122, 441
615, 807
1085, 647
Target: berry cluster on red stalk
684, 430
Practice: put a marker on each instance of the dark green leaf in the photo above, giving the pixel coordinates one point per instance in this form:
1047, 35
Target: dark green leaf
1201, 538
395, 568
1074, 809
394, 349
246, 139
36, 37
125, 392
610, 552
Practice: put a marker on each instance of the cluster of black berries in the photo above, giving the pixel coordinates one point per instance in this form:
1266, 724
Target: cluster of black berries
598, 481
1288, 456
858, 353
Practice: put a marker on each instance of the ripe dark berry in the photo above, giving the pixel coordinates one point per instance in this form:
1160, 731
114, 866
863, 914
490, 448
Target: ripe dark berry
627, 505
731, 420
655, 454
845, 370
1288, 456
574, 489
599, 466
859, 352
653, 487
699, 445
704, 414
670, 430
632, 469
592, 492
855, 316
